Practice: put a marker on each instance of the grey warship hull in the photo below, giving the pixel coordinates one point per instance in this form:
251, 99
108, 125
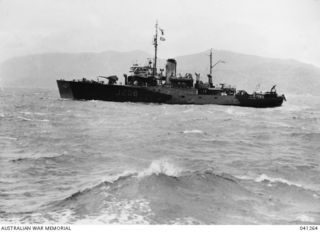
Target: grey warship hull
91, 90
97, 91
146, 84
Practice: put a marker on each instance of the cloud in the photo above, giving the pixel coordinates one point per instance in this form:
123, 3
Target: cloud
276, 28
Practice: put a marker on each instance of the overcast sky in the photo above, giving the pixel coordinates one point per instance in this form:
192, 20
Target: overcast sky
272, 28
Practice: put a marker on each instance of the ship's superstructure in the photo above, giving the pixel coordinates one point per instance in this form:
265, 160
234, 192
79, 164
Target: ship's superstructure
146, 84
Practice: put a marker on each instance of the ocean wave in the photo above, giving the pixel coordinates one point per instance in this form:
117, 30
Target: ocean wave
53, 157
188, 110
186, 221
33, 113
307, 135
162, 166
264, 177
160, 174
24, 119
63, 217
305, 218
295, 108
33, 120
7, 138
236, 112
136, 197
195, 131
121, 212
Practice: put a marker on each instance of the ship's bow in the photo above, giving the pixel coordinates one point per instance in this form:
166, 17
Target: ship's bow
65, 89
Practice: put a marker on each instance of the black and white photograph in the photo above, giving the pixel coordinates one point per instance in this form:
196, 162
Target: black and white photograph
159, 112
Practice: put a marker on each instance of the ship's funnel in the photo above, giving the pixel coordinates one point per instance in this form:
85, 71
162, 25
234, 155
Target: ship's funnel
171, 69
210, 80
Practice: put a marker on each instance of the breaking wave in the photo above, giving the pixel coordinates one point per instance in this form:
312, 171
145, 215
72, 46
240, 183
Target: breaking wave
164, 166
305, 218
133, 197
264, 177
155, 178
33, 120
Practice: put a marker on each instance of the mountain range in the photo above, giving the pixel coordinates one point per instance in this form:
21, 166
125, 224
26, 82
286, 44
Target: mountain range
243, 71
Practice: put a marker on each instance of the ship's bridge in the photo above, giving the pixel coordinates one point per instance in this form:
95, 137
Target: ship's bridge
141, 76
142, 71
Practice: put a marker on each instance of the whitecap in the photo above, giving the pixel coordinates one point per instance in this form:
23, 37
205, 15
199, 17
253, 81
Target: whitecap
188, 110
26, 113
163, 166
235, 112
25, 119
244, 177
193, 132
33, 120
305, 218
264, 177
7, 138
186, 221
43, 120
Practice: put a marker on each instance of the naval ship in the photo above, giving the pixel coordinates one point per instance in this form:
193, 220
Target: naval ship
146, 84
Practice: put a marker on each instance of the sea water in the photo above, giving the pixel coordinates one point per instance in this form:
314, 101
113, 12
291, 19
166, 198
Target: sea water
96, 162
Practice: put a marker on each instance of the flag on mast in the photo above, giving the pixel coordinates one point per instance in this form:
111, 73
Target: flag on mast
162, 35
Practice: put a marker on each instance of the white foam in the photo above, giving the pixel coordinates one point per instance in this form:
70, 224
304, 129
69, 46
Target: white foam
244, 177
121, 212
264, 177
305, 218
235, 112
126, 173
186, 221
25, 119
43, 120
63, 217
34, 120
193, 131
8, 138
188, 110
116, 212
163, 166
27, 113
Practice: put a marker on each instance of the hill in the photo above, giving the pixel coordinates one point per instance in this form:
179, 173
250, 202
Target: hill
42, 70
243, 71
247, 71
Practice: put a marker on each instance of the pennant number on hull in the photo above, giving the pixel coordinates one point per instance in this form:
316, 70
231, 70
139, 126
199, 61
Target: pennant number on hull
127, 93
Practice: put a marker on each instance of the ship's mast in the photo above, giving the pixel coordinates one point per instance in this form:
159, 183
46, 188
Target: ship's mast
155, 50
